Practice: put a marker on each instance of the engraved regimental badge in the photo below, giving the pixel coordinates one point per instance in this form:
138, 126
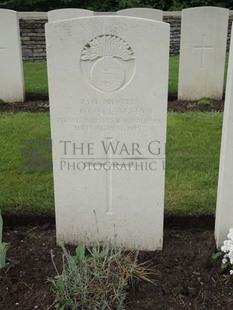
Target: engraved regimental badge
108, 63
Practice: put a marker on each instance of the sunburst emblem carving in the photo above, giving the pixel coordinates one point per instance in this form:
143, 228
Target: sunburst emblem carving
107, 46
107, 55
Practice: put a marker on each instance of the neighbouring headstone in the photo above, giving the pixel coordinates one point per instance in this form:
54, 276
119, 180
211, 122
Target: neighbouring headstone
61, 14
11, 65
224, 211
143, 13
202, 53
108, 120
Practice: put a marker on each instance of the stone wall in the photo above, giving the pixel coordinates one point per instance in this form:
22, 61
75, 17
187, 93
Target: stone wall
33, 33
174, 19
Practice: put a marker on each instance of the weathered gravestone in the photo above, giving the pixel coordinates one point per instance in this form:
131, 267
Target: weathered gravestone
11, 66
61, 14
202, 53
224, 212
108, 81
142, 12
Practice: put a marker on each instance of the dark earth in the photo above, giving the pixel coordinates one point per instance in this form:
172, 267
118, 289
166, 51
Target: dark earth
42, 105
186, 276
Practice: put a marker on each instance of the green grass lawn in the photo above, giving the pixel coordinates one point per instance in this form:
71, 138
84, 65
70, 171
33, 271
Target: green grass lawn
35, 77
193, 146
23, 192
173, 76
36, 82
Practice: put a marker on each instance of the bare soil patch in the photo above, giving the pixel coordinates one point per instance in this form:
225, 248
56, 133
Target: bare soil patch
42, 105
186, 277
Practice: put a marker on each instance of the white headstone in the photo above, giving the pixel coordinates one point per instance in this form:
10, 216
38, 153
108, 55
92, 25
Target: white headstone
143, 13
202, 53
61, 14
224, 211
108, 120
11, 66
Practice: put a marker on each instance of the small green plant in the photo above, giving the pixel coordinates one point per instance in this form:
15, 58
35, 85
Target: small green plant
216, 256
226, 253
96, 278
3, 246
205, 102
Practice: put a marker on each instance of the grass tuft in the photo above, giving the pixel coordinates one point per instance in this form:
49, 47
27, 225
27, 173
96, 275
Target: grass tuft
205, 102
96, 278
3, 246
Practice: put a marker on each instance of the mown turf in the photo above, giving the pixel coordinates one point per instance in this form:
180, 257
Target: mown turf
193, 146
173, 76
21, 191
35, 77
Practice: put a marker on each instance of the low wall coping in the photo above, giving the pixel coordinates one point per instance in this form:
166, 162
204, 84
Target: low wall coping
44, 15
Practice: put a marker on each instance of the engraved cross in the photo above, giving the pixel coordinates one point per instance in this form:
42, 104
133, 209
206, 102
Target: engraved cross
203, 48
109, 174
109, 209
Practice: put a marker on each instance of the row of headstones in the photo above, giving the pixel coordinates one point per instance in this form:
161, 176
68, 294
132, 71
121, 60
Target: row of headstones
202, 51
108, 81
108, 104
